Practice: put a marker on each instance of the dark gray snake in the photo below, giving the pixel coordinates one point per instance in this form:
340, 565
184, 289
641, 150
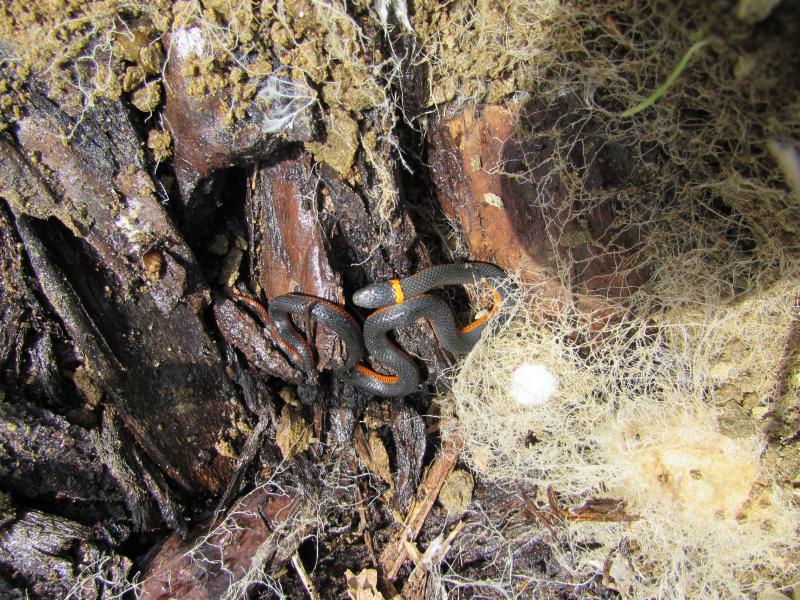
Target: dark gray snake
398, 302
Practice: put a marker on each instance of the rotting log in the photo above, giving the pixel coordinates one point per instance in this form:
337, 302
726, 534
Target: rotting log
103, 319
149, 331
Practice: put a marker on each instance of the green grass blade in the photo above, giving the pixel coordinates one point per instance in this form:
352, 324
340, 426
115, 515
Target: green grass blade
662, 89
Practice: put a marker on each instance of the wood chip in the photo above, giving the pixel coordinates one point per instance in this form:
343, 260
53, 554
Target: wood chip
396, 552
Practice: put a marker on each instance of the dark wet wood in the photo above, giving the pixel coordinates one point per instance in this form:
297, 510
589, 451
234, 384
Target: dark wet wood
45, 458
206, 136
289, 251
218, 554
408, 434
244, 332
54, 556
140, 332
27, 338
147, 496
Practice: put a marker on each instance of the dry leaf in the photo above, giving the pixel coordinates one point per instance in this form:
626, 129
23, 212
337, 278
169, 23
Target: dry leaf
363, 586
371, 450
380, 459
293, 435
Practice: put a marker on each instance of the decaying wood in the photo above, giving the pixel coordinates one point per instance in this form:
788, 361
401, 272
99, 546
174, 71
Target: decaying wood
140, 330
246, 334
40, 548
28, 365
396, 553
108, 440
415, 587
513, 211
219, 554
44, 458
205, 138
408, 434
176, 384
289, 252
254, 440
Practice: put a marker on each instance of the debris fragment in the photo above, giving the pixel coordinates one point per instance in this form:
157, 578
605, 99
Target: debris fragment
293, 435
456, 493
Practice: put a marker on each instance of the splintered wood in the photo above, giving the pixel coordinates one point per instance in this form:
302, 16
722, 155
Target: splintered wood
397, 552
416, 585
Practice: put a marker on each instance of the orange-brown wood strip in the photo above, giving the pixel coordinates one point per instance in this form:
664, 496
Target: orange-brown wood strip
396, 553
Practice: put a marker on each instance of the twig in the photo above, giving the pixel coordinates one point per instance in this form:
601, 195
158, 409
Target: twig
396, 553
304, 578
604, 510
251, 448
434, 554
546, 519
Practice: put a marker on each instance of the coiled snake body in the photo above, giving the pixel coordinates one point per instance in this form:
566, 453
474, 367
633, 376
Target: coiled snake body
398, 302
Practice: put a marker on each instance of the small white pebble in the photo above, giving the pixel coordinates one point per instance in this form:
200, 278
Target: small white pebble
533, 384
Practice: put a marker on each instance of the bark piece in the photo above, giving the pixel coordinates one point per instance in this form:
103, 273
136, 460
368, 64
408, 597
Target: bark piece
52, 557
144, 338
245, 334
289, 251
208, 136
95, 184
224, 553
408, 434
364, 249
119, 457
515, 212
465, 152
46, 459
19, 312
251, 447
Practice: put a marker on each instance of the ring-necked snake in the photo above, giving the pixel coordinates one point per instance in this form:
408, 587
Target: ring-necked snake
398, 302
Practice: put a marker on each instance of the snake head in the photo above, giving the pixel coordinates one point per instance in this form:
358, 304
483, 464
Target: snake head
375, 295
